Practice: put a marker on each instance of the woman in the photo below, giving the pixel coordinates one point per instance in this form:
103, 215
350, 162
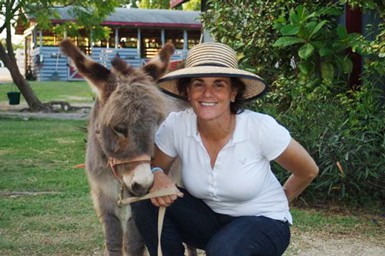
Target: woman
232, 204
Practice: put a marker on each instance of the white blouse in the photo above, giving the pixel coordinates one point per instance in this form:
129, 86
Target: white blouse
241, 182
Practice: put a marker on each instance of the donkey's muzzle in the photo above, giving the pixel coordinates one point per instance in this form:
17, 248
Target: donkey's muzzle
139, 189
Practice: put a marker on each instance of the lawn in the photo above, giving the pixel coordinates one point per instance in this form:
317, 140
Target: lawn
45, 207
73, 92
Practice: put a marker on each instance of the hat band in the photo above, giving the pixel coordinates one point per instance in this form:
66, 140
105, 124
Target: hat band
210, 64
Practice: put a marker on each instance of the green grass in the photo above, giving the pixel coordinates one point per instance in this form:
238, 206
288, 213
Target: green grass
73, 92
39, 156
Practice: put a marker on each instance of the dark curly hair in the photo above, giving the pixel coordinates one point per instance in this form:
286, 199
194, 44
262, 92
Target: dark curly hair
236, 107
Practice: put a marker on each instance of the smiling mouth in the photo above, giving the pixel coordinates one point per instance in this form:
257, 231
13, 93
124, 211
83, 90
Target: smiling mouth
208, 104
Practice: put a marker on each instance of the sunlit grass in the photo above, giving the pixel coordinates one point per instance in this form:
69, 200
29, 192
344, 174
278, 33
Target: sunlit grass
45, 207
73, 92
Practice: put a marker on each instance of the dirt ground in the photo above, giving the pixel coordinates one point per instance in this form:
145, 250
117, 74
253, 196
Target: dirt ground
321, 244
20, 111
317, 244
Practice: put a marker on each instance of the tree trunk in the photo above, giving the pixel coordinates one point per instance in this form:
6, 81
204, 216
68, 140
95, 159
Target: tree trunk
8, 57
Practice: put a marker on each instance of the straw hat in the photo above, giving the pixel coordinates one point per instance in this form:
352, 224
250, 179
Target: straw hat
212, 59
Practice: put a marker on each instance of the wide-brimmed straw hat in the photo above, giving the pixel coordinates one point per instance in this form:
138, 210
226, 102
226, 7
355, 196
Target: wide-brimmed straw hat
208, 60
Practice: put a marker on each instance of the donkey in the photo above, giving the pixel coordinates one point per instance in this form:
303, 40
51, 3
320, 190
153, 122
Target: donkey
126, 114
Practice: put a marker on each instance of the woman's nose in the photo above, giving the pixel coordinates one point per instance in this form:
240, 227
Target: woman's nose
208, 91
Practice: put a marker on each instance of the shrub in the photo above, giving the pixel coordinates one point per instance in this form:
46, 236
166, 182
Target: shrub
302, 52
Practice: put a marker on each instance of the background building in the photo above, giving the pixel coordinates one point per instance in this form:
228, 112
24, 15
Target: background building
135, 35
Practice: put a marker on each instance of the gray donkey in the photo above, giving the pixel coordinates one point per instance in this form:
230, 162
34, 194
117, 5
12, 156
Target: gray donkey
127, 112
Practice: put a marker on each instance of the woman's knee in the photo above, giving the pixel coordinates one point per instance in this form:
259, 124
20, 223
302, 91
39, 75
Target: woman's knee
250, 236
220, 245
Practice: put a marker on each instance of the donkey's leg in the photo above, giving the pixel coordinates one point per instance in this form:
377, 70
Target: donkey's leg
113, 234
133, 242
108, 213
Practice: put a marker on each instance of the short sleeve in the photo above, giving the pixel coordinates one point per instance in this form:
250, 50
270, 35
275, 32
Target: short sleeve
274, 138
164, 137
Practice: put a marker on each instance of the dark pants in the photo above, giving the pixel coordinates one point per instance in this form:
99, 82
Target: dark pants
191, 221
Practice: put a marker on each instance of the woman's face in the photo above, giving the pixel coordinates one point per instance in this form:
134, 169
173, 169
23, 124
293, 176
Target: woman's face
210, 97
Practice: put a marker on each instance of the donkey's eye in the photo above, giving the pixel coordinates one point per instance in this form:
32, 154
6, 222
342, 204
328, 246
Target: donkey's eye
120, 131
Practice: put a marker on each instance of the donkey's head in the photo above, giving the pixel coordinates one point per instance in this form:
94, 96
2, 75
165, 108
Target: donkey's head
127, 112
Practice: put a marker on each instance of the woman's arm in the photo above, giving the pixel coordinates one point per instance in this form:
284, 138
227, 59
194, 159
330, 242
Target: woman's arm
297, 160
161, 179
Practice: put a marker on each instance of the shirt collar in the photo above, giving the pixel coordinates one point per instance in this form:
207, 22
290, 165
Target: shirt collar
240, 133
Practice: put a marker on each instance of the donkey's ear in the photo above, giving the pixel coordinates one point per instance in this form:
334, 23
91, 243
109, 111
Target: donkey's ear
121, 67
96, 74
157, 66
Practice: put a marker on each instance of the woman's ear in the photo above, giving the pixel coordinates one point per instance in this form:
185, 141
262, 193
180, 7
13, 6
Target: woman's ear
233, 95
188, 93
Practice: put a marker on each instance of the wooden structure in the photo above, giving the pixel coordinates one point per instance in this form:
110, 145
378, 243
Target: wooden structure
135, 35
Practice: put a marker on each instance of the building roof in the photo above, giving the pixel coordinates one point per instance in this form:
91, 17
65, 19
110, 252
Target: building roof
133, 17
144, 18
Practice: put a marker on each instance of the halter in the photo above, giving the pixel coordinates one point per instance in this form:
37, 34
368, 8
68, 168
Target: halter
113, 162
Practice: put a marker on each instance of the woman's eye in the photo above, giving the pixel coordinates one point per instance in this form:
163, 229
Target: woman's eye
197, 84
220, 84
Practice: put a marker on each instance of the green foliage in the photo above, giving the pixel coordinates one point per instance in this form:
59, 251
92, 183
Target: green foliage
88, 14
366, 4
320, 43
150, 4
91, 14
247, 27
346, 137
192, 5
303, 52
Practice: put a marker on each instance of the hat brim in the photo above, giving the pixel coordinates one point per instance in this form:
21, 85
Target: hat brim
255, 86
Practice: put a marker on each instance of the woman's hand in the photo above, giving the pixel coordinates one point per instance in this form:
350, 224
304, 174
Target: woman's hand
162, 181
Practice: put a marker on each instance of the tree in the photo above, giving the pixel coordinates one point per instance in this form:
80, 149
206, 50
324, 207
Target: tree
151, 4
13, 11
191, 5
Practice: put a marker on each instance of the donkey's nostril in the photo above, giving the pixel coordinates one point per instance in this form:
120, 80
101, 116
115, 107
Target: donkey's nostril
139, 189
